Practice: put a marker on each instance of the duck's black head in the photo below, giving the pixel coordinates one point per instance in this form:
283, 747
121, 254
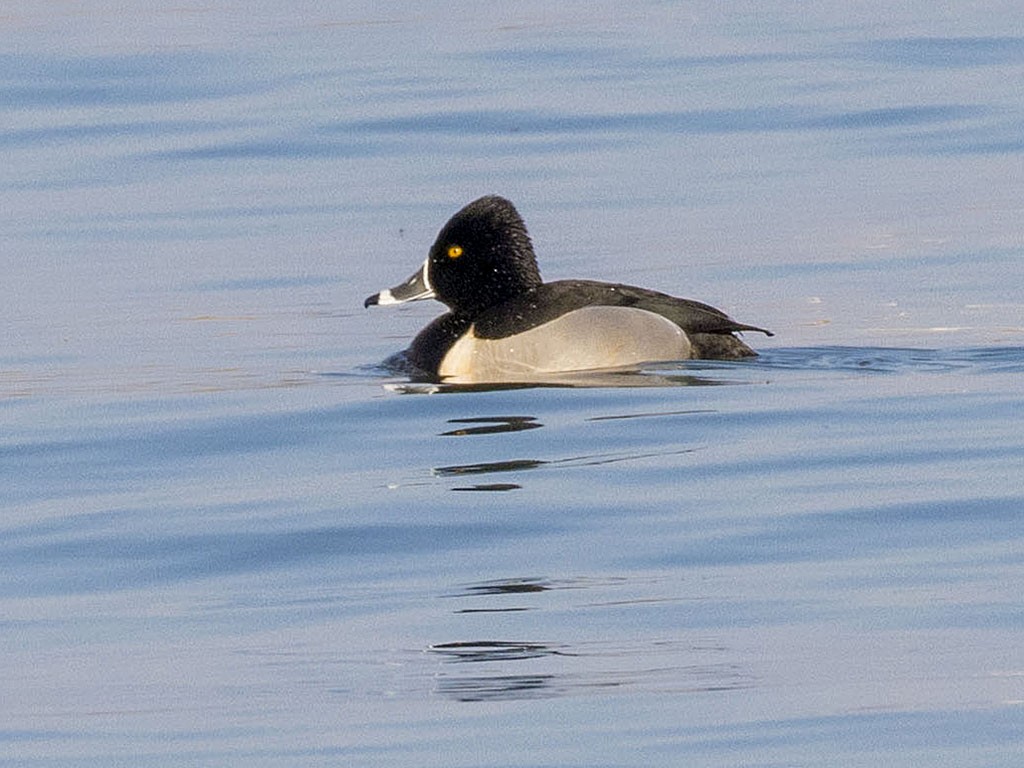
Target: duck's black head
482, 257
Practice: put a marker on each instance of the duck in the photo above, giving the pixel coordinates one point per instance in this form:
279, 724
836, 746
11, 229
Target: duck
505, 324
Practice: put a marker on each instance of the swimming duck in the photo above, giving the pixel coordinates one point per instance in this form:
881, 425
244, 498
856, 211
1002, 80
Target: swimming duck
505, 324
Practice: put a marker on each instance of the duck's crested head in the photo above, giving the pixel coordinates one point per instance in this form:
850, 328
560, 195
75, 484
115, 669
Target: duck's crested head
482, 257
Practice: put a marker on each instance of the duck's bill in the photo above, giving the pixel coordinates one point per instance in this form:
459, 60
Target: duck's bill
415, 288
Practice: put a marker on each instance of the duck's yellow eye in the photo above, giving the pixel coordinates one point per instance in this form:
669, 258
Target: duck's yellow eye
454, 251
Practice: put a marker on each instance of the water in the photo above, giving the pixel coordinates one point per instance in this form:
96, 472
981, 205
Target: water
231, 538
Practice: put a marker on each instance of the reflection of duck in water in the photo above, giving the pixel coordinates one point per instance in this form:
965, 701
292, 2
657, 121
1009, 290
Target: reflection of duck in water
497, 687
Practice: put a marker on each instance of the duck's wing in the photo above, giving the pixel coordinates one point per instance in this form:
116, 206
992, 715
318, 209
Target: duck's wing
551, 300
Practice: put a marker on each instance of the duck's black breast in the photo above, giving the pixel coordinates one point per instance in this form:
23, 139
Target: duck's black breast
432, 343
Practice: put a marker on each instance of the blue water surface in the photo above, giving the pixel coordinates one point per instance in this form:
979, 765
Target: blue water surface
230, 536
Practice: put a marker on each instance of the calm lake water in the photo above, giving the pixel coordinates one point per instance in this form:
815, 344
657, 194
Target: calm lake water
231, 538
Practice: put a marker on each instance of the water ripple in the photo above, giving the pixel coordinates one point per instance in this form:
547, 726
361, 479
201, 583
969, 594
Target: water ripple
82, 560
948, 52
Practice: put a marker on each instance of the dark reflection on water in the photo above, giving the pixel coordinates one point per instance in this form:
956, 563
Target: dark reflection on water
512, 465
511, 609
509, 670
532, 585
588, 668
652, 414
489, 487
583, 380
526, 587
492, 425
494, 650
516, 465
509, 587
499, 687
523, 586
